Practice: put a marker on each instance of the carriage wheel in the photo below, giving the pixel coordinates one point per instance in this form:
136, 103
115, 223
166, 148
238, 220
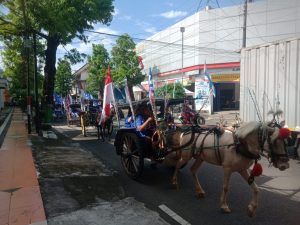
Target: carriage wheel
83, 125
132, 155
200, 120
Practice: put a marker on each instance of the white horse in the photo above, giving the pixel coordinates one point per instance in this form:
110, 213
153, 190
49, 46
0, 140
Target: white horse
234, 151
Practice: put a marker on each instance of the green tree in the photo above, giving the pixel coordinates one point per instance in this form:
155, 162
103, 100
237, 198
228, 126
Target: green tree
15, 69
125, 63
16, 64
169, 89
58, 22
97, 67
63, 81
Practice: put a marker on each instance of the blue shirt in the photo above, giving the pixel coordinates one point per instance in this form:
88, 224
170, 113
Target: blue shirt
128, 124
139, 120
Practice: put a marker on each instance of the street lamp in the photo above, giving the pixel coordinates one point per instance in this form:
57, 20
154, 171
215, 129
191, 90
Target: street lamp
182, 29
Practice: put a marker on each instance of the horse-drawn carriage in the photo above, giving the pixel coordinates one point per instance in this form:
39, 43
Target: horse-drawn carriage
134, 147
175, 144
73, 114
91, 116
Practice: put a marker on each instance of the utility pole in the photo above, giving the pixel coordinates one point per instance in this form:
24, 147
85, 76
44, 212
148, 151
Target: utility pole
245, 24
182, 29
36, 99
27, 47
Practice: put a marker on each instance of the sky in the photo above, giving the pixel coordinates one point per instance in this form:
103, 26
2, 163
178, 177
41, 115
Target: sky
141, 19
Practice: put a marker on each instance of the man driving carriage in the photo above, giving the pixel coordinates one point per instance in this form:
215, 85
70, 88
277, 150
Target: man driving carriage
144, 121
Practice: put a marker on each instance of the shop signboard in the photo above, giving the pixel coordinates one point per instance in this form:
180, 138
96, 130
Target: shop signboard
202, 94
235, 77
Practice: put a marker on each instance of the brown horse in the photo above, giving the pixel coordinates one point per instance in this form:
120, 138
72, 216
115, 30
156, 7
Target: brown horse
234, 151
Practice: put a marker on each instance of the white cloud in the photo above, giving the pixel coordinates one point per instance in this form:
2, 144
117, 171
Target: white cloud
173, 14
147, 27
170, 4
116, 12
151, 30
126, 18
86, 48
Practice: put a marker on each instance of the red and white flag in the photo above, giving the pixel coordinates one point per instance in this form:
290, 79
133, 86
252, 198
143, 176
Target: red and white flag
68, 102
141, 65
108, 97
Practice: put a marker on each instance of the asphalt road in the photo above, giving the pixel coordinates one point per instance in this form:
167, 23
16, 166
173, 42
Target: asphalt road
154, 189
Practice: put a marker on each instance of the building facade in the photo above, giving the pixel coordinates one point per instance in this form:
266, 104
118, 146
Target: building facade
80, 77
212, 39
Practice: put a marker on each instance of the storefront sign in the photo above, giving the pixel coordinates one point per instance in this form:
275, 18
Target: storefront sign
235, 77
202, 94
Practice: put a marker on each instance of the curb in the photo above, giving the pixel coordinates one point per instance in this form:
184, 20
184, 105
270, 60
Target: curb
4, 127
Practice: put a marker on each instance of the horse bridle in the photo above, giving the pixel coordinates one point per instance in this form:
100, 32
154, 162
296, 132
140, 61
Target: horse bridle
262, 137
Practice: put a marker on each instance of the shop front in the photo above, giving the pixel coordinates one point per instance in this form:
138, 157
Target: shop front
227, 88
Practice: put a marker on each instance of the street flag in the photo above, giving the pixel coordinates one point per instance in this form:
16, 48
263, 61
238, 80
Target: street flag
151, 88
212, 89
140, 59
151, 94
68, 102
108, 97
128, 98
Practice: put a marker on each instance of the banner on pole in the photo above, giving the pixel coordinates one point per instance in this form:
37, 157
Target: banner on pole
202, 94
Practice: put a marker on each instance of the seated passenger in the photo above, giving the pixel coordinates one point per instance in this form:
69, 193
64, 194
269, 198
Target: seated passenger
129, 122
144, 121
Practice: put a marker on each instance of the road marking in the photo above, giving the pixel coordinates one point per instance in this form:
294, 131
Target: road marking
172, 214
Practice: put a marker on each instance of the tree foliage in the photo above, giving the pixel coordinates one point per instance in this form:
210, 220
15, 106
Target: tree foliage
97, 66
125, 63
16, 63
56, 21
73, 56
15, 68
168, 90
63, 81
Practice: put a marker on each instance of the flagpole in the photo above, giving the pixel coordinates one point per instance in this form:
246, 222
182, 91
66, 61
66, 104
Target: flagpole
166, 101
129, 100
116, 107
174, 89
151, 96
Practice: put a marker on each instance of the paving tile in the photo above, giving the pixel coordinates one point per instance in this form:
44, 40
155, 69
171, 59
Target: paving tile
6, 169
26, 206
4, 207
20, 198
17, 169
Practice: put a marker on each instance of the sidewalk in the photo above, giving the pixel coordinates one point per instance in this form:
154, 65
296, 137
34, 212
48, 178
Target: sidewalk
20, 198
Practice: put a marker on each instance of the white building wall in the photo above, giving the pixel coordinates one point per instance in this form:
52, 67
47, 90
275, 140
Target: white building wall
271, 71
215, 35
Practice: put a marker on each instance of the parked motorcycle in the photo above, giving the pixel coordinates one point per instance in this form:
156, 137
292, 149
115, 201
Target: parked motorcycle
190, 116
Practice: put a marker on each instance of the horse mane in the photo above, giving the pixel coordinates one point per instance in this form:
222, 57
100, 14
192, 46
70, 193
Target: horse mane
247, 128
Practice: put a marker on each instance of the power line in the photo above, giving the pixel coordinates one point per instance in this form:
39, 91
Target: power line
199, 6
158, 42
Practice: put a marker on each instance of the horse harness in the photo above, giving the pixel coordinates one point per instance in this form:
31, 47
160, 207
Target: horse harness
240, 144
273, 155
242, 148
196, 132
